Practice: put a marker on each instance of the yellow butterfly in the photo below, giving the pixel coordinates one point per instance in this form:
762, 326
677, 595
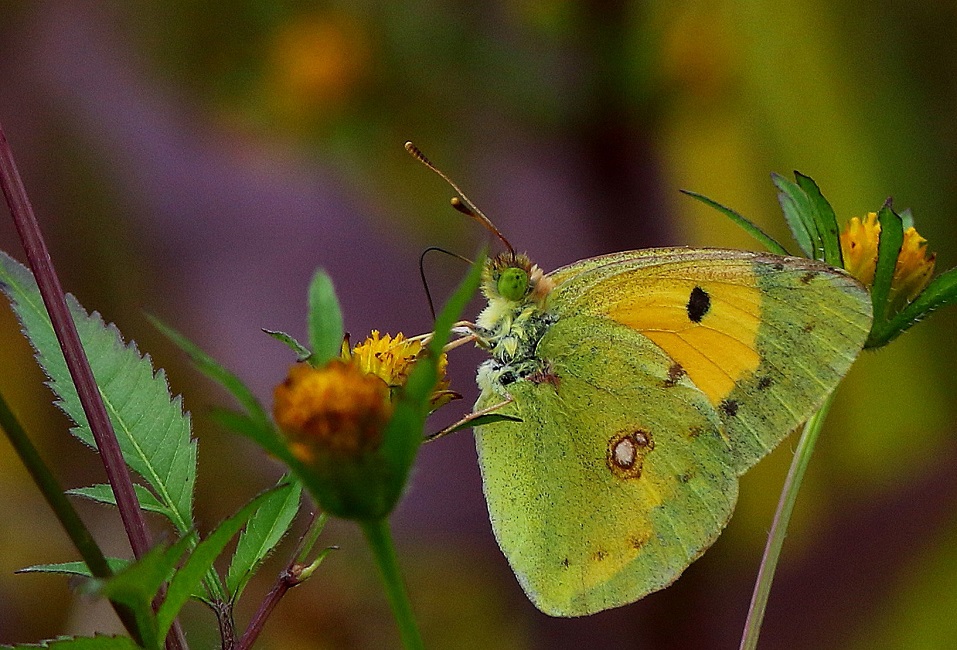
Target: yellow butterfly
642, 384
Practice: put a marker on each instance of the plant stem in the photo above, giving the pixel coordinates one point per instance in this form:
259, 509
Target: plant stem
54, 300
772, 551
64, 511
290, 577
380, 541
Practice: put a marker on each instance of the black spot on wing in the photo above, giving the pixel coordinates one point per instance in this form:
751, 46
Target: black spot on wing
729, 407
675, 373
698, 304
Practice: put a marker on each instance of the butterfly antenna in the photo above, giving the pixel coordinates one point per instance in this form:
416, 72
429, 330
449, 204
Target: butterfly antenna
425, 282
465, 206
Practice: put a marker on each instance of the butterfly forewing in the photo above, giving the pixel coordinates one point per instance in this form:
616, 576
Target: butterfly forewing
766, 338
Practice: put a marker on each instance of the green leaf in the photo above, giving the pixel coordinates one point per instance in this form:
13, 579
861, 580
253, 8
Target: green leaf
116, 564
942, 291
103, 493
302, 352
264, 531
80, 643
751, 228
212, 369
152, 430
796, 207
138, 584
825, 220
888, 250
325, 320
187, 579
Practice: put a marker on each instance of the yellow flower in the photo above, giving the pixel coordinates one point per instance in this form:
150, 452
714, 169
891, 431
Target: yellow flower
392, 358
342, 408
336, 418
914, 266
337, 409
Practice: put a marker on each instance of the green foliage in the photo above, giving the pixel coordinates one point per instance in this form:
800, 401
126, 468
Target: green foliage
888, 249
116, 565
200, 561
749, 226
940, 292
302, 352
152, 430
810, 218
262, 534
324, 320
888, 322
103, 493
138, 584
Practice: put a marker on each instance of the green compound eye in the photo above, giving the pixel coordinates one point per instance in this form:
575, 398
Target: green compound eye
513, 283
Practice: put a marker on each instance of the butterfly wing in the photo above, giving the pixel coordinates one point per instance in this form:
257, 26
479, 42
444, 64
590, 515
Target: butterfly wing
616, 478
697, 361
766, 338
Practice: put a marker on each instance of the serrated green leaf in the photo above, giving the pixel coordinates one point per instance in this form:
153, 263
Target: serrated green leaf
150, 425
942, 291
750, 227
212, 369
78, 568
798, 214
325, 320
80, 643
302, 352
264, 531
103, 493
825, 220
188, 578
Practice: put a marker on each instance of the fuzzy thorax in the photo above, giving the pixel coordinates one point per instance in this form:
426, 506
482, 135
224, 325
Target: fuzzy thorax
511, 325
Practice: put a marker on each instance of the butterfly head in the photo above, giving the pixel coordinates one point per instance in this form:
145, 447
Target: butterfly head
516, 315
512, 280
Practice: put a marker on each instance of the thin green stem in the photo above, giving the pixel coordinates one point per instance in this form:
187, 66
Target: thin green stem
772, 551
310, 537
380, 541
65, 513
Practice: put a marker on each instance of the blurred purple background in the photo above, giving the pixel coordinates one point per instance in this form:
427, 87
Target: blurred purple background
199, 162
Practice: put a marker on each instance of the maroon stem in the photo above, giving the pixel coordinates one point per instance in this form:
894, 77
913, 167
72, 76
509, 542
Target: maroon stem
288, 579
51, 291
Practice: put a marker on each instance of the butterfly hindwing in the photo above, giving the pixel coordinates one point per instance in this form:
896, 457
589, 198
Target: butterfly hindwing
607, 489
